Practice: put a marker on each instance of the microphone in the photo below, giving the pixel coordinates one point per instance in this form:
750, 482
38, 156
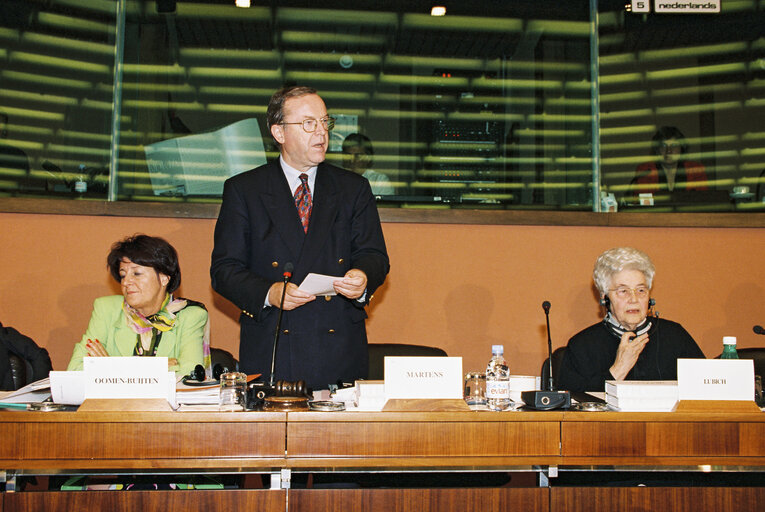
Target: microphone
288, 268
758, 329
546, 308
551, 399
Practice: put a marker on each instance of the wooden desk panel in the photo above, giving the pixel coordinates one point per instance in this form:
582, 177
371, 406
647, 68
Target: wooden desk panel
676, 499
203, 500
145, 440
663, 439
425, 438
420, 500
9, 447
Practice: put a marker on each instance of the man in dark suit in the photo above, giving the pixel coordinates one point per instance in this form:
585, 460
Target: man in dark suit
318, 217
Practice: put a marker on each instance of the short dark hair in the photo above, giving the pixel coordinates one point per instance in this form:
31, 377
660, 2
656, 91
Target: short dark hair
148, 251
358, 140
666, 133
275, 111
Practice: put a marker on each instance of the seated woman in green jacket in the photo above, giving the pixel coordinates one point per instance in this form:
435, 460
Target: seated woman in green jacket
146, 320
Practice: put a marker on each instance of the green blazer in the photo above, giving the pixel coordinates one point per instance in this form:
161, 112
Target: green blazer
107, 324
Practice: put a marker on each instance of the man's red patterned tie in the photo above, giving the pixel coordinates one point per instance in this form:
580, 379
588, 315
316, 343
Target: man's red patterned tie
303, 201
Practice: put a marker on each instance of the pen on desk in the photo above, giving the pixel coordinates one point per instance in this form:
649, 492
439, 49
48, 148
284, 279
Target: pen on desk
11, 405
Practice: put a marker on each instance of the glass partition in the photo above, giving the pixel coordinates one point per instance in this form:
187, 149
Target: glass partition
491, 106
488, 107
56, 76
682, 103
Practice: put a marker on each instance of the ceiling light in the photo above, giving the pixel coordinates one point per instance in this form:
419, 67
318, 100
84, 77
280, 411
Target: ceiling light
438, 10
242, 3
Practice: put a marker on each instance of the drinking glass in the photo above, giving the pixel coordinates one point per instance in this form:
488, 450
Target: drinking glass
475, 388
232, 395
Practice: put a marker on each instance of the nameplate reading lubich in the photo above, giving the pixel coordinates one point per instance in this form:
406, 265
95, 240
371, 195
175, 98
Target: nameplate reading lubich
715, 379
128, 377
423, 377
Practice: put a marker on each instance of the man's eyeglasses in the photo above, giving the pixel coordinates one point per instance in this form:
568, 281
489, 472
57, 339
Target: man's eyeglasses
309, 125
641, 292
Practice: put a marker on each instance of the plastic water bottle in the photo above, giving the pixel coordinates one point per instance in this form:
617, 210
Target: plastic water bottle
497, 380
729, 348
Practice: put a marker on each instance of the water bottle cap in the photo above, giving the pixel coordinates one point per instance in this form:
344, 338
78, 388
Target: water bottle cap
497, 349
729, 340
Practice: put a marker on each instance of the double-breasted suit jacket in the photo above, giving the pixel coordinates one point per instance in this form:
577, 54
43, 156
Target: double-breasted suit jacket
258, 231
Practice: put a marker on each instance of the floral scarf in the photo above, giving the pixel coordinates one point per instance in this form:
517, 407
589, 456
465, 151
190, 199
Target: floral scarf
149, 329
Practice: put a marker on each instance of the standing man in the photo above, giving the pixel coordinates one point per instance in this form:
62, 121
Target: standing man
321, 219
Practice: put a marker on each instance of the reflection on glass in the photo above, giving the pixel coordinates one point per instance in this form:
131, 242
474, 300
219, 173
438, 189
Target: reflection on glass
490, 106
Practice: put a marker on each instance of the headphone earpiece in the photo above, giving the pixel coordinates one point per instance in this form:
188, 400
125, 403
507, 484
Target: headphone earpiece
651, 303
605, 301
197, 377
198, 373
218, 370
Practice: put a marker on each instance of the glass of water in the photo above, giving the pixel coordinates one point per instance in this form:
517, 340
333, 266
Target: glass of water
232, 395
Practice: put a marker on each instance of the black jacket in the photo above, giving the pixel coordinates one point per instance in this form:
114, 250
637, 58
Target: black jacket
13, 342
591, 352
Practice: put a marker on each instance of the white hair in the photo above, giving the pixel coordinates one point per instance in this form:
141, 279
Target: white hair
617, 259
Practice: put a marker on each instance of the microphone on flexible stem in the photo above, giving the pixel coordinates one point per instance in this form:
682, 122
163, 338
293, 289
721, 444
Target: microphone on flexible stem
758, 329
550, 399
288, 268
550, 385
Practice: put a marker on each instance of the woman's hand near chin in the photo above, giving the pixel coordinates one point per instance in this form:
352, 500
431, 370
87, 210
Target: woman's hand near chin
630, 347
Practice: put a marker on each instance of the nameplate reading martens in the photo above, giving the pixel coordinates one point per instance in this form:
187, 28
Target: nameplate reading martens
423, 377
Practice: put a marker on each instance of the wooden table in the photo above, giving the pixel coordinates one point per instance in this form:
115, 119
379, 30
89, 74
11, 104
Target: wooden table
406, 443
142, 443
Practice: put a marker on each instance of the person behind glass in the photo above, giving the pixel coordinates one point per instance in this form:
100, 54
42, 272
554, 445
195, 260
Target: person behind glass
317, 217
359, 155
627, 344
670, 171
146, 320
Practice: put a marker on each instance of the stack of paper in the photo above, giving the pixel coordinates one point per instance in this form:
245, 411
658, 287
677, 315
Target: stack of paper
642, 395
185, 394
34, 392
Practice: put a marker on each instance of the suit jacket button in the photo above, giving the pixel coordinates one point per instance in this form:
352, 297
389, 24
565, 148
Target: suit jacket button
328, 298
340, 261
275, 264
286, 331
331, 331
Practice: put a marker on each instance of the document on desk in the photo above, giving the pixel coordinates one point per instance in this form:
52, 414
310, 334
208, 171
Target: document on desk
319, 284
34, 392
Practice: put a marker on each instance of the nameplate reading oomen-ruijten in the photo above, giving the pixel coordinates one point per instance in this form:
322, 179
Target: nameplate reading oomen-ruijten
128, 377
423, 377
715, 379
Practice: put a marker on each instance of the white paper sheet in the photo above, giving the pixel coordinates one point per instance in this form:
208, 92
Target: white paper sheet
319, 284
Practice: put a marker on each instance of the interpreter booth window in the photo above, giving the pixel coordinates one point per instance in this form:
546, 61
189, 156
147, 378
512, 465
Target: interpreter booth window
488, 106
56, 94
682, 103
530, 104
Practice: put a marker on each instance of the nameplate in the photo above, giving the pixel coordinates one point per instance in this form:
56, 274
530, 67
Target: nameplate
715, 379
128, 377
423, 377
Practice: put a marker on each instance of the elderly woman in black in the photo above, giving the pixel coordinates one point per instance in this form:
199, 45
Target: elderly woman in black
146, 320
627, 344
